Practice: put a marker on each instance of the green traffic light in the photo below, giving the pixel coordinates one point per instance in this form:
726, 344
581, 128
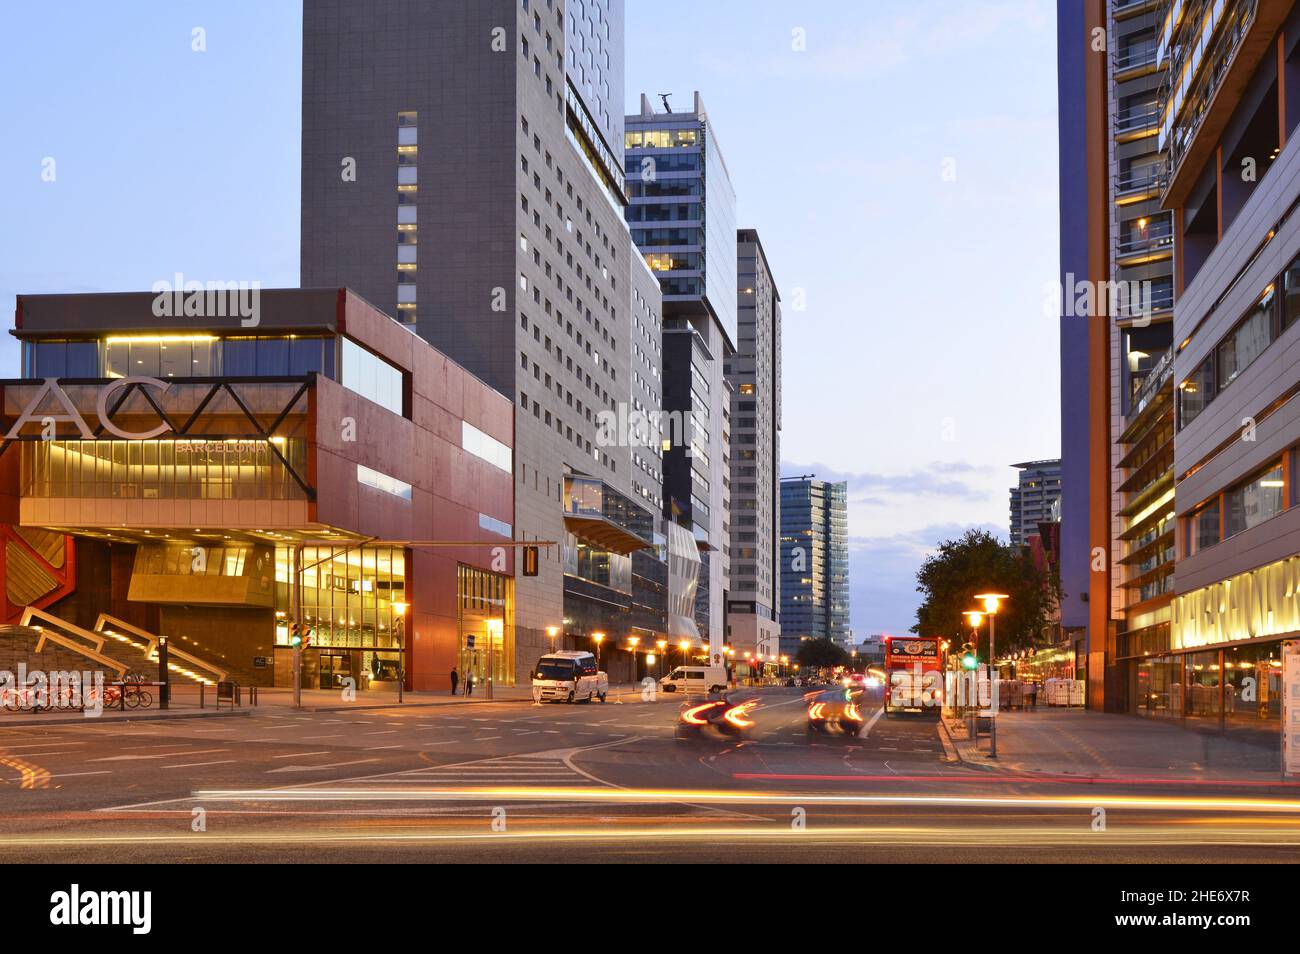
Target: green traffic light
968, 661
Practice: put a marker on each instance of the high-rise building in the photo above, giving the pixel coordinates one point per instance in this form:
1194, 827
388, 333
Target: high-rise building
814, 562
462, 168
1116, 332
754, 372
1183, 419
682, 214
1033, 498
1231, 188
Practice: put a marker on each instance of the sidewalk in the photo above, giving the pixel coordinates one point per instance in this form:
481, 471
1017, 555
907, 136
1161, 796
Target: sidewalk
1077, 743
332, 700
185, 704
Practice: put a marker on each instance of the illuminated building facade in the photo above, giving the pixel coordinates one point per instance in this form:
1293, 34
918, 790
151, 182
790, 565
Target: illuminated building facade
170, 473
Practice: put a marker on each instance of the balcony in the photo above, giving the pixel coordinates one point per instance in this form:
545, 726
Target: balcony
1136, 122
1135, 61
1212, 49
603, 518
1148, 245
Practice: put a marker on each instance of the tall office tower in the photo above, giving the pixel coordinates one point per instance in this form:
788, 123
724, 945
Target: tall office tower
1117, 295
462, 168
1033, 498
754, 373
682, 213
814, 562
1232, 189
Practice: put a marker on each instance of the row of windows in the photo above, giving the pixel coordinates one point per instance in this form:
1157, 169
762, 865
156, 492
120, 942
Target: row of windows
179, 356
1240, 507
1270, 316
408, 155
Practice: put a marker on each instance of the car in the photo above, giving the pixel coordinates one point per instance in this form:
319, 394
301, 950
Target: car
835, 709
728, 717
695, 679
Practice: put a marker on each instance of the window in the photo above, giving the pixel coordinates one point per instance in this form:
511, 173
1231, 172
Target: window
1291, 294
486, 448
381, 481
1205, 528
1196, 392
1250, 504
372, 377
1247, 341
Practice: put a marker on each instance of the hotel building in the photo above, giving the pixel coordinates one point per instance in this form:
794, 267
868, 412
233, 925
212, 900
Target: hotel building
214, 480
682, 214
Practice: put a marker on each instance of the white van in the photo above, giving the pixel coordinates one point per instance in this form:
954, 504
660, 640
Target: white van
570, 676
695, 679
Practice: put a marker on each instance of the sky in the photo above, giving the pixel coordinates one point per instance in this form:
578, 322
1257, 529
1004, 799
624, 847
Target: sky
898, 158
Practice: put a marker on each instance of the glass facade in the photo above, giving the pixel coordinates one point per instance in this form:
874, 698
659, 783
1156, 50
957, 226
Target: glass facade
1236, 688
485, 616
179, 356
164, 469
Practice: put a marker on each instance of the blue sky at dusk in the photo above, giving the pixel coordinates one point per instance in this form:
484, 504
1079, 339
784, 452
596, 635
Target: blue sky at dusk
901, 170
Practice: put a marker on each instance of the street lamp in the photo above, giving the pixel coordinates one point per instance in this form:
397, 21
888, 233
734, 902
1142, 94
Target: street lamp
684, 645
632, 643
400, 609
598, 638
552, 632
991, 602
663, 654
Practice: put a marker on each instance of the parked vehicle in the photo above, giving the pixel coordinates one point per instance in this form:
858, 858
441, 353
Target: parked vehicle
570, 677
695, 679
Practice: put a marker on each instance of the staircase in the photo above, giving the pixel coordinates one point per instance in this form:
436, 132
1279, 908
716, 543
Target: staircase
185, 667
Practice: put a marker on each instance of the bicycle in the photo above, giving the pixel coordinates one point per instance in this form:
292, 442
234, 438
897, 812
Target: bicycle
135, 695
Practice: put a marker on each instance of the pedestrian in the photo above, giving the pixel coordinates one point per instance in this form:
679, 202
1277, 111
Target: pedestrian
455, 678
469, 683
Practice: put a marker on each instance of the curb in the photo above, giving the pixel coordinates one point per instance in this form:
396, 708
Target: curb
155, 717
949, 748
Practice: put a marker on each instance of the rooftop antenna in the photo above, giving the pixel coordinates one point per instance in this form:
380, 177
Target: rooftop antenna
664, 97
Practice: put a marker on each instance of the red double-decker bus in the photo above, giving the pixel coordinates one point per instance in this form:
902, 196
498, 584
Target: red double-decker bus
913, 675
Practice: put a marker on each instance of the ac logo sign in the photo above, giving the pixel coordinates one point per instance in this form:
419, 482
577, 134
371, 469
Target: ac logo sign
51, 389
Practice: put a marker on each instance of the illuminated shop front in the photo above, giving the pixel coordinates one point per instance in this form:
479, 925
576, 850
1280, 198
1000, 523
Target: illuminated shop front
485, 614
354, 602
1214, 657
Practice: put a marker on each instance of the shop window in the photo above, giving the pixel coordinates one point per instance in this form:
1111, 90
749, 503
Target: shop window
1250, 504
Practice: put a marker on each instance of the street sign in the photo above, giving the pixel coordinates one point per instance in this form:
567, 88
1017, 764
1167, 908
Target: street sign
1290, 708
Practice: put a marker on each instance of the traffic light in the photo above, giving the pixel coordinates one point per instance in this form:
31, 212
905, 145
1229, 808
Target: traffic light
530, 561
968, 659
295, 635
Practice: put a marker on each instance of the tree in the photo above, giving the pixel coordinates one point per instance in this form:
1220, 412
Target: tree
980, 563
821, 653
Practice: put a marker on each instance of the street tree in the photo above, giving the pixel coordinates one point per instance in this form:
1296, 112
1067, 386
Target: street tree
979, 563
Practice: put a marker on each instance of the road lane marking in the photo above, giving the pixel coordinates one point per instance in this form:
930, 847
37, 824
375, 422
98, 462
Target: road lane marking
301, 755
197, 764
77, 774
166, 755
316, 768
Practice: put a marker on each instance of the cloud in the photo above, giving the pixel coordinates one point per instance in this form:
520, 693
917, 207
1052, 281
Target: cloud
940, 478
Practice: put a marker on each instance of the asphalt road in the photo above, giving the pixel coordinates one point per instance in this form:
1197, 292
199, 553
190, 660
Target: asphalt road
515, 782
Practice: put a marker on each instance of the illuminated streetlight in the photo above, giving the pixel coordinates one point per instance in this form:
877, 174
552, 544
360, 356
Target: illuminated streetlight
598, 638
